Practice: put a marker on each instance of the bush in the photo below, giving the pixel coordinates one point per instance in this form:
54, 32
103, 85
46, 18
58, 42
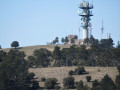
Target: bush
43, 79
95, 83
50, 83
35, 85
68, 82
57, 87
88, 78
71, 72
79, 70
76, 83
117, 81
81, 86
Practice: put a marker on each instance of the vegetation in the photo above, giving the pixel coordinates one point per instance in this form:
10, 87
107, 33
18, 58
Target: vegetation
43, 79
50, 83
88, 78
14, 73
56, 40
71, 72
117, 82
68, 82
77, 71
40, 58
100, 53
15, 44
80, 86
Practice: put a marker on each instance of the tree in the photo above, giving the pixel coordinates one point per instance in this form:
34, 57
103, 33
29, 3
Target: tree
106, 43
50, 83
66, 39
15, 44
57, 55
107, 83
42, 57
56, 40
79, 70
95, 84
80, 85
88, 78
14, 73
117, 82
68, 82
0, 47
62, 40
2, 55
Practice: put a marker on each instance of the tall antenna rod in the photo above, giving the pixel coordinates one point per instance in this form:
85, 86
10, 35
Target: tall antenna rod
102, 29
79, 33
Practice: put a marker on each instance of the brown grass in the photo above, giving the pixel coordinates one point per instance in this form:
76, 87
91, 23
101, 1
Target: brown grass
30, 49
62, 72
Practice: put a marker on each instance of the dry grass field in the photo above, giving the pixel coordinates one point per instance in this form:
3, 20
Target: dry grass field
62, 72
30, 49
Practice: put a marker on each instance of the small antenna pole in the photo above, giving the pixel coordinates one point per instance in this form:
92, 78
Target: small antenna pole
79, 33
102, 29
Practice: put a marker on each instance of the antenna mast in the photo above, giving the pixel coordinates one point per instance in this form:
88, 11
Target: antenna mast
86, 13
79, 33
102, 29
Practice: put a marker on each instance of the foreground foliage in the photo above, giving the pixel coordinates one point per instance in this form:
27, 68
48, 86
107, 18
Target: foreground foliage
14, 73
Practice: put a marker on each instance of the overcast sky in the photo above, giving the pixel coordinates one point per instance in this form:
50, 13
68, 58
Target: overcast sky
36, 22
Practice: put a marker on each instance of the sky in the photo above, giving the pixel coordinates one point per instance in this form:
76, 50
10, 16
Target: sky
36, 22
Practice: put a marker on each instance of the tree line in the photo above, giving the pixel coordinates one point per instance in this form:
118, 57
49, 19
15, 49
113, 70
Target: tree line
100, 53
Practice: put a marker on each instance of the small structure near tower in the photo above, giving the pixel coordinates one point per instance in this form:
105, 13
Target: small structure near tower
86, 13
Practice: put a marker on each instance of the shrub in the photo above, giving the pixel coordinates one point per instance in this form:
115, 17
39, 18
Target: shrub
117, 81
57, 87
50, 83
71, 72
81, 86
79, 70
88, 78
95, 83
35, 85
98, 70
43, 79
68, 82
76, 83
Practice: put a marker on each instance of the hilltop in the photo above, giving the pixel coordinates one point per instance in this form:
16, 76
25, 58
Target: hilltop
30, 49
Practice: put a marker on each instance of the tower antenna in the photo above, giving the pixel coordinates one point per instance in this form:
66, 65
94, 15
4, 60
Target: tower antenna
102, 29
79, 32
86, 13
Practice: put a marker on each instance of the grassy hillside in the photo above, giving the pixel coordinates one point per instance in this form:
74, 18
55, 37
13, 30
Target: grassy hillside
62, 72
29, 49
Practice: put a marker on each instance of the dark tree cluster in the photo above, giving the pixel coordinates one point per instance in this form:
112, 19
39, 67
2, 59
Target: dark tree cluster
100, 53
14, 73
78, 71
